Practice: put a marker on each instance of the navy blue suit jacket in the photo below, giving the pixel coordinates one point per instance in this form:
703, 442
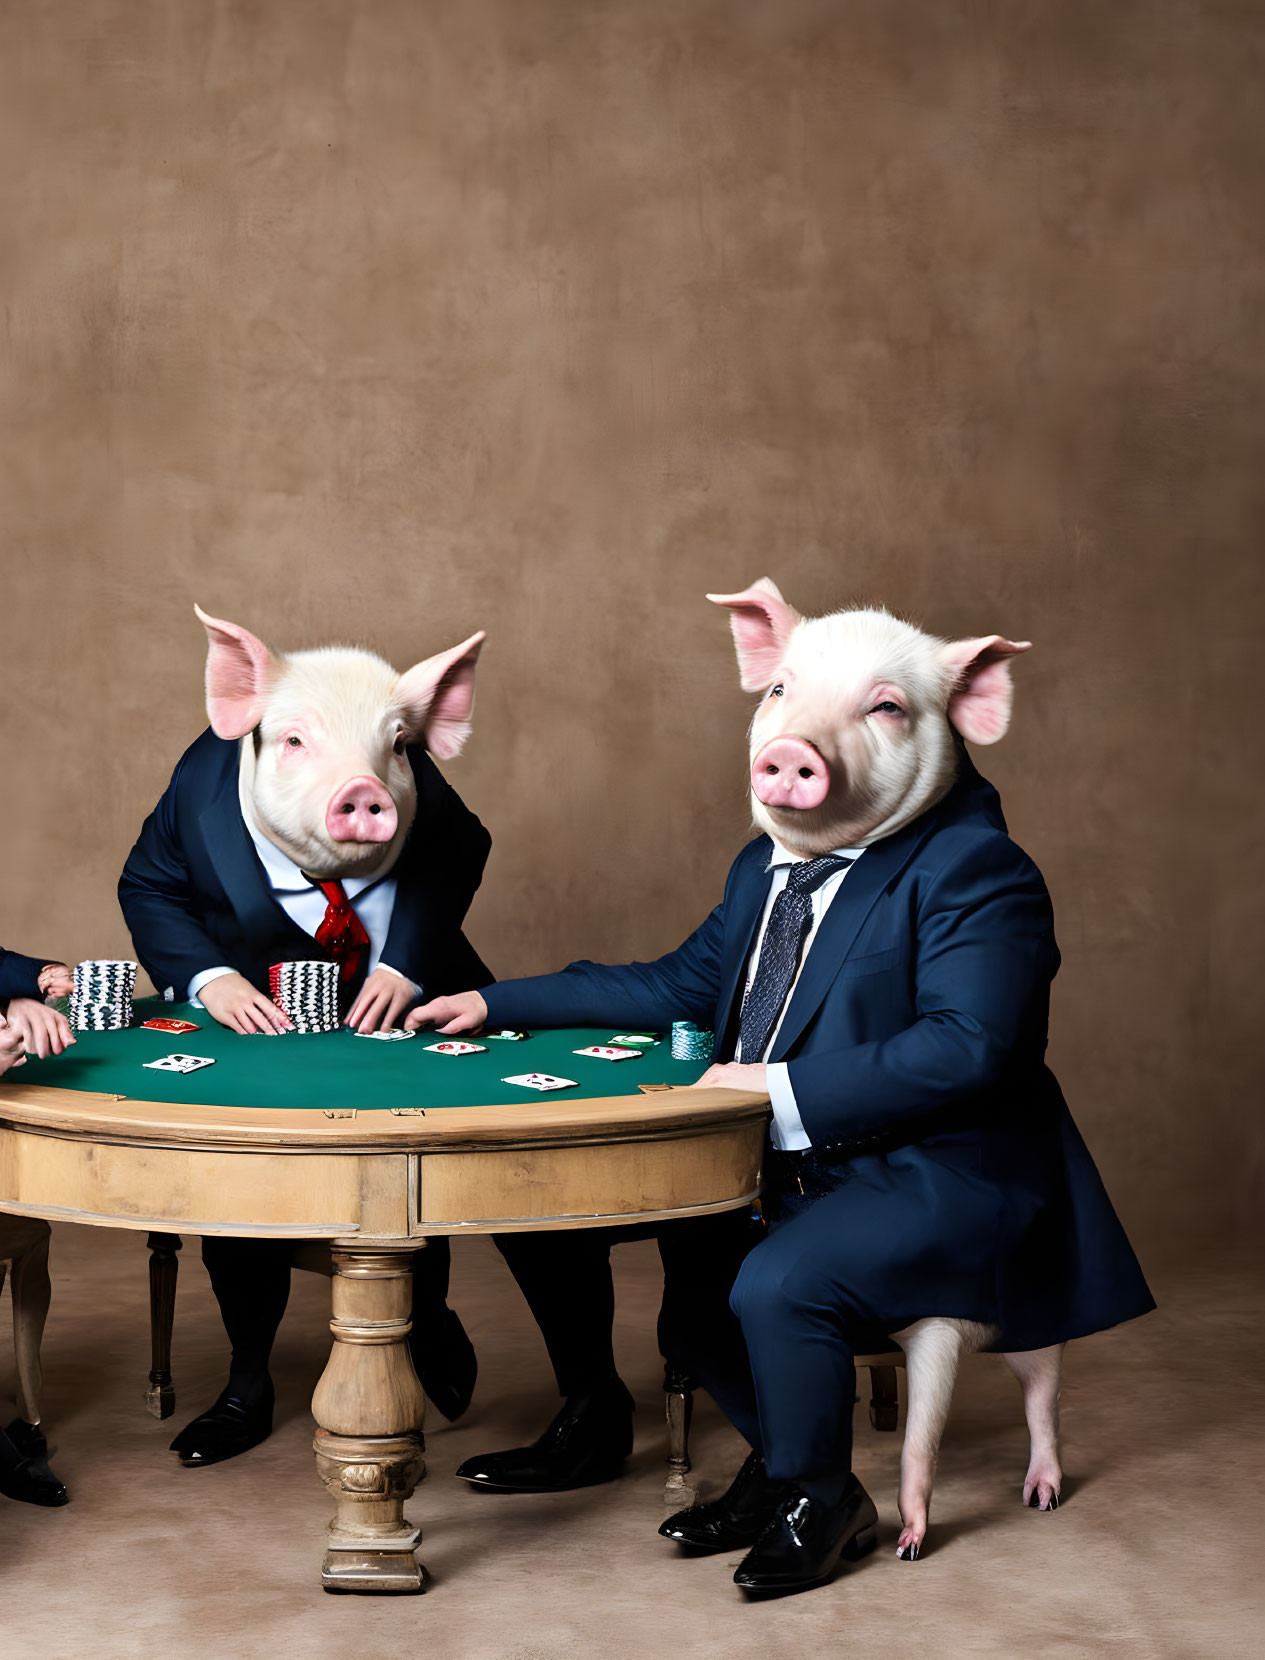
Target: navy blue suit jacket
194, 893
19, 975
915, 1041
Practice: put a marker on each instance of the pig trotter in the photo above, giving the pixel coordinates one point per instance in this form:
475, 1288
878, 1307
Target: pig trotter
1041, 1484
917, 1475
1039, 1372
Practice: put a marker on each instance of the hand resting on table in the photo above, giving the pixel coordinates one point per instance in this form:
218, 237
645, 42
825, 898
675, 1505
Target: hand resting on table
465, 1012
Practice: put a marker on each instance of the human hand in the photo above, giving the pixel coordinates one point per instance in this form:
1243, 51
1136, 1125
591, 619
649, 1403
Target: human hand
56, 980
42, 1030
383, 998
233, 1002
732, 1075
11, 1046
465, 1012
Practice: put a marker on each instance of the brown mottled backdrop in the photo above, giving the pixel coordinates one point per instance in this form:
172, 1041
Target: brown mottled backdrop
381, 321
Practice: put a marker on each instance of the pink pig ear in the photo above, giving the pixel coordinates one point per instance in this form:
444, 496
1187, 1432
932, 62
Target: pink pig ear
762, 623
238, 668
979, 704
437, 697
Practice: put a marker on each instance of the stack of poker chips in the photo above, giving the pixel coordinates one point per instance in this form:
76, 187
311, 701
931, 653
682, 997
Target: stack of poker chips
102, 997
691, 1042
307, 993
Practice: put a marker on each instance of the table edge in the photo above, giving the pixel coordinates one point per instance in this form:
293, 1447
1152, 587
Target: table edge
36, 1109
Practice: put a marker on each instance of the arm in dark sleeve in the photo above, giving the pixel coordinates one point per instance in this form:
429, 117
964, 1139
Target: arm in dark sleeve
684, 985
985, 959
158, 904
19, 975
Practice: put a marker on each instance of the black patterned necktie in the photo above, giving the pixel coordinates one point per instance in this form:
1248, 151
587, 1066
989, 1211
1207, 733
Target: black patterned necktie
789, 924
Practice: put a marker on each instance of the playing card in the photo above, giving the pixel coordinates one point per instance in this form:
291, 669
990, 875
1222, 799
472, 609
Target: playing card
180, 1063
164, 1025
540, 1080
395, 1035
608, 1052
451, 1047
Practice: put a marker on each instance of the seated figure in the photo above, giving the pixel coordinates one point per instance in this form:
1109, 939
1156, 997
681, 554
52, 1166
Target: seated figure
310, 823
879, 965
28, 1025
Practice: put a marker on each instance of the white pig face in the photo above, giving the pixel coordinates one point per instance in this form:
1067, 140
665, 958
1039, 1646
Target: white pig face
324, 771
854, 735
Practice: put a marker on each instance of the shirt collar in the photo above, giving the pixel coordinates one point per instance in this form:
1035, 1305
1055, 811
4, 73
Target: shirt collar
782, 858
284, 876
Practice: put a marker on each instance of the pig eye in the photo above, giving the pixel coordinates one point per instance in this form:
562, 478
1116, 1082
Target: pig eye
887, 707
777, 691
397, 748
293, 742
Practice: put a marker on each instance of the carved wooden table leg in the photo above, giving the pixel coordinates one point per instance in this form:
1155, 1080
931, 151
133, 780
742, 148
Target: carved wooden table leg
164, 1267
368, 1406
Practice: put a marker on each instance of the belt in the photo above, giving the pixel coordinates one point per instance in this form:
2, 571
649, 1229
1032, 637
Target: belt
786, 1172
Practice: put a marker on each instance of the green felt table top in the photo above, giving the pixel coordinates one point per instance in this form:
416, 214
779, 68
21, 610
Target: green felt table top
338, 1069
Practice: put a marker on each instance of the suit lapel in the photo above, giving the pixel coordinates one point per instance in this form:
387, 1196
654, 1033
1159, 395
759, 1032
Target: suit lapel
237, 865
873, 872
406, 929
742, 917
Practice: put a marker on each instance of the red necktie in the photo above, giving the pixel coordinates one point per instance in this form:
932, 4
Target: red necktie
343, 934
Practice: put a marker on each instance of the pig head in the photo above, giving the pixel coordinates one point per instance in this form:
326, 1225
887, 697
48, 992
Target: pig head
324, 771
855, 734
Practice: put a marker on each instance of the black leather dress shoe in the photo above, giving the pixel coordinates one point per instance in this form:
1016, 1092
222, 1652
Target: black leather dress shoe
585, 1444
444, 1359
736, 1519
233, 1425
24, 1471
804, 1543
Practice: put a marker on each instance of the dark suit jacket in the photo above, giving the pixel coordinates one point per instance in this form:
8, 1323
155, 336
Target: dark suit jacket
194, 893
19, 975
915, 1041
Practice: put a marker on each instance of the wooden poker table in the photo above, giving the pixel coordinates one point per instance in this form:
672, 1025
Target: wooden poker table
372, 1146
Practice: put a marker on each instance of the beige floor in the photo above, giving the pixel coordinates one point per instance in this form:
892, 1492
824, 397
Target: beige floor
1156, 1553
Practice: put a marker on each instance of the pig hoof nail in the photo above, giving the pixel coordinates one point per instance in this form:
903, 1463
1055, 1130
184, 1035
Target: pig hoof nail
907, 1553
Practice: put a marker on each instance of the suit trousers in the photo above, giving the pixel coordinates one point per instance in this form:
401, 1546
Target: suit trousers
251, 1281
859, 1253
565, 1276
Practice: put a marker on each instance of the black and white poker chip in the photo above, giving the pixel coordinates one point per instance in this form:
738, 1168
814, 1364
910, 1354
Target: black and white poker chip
307, 993
101, 1000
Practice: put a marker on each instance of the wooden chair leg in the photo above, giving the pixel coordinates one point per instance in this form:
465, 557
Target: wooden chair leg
164, 1267
678, 1394
884, 1401
31, 1291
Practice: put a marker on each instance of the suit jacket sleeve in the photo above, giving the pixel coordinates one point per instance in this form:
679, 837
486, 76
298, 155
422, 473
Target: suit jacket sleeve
684, 985
158, 903
19, 975
985, 956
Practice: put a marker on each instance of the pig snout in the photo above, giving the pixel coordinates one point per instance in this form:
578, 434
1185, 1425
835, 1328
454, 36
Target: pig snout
787, 772
361, 811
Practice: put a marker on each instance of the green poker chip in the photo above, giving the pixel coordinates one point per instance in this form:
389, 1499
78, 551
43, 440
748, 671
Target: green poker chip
691, 1042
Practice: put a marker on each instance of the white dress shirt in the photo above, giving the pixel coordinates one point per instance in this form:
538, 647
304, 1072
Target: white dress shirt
305, 904
787, 1130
